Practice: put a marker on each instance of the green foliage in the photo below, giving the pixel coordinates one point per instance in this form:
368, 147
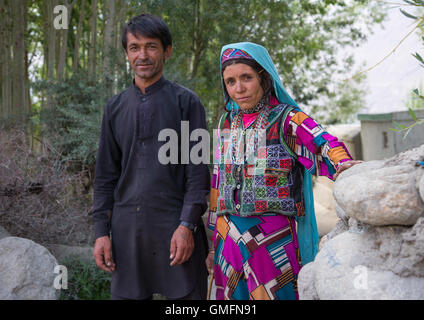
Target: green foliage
85, 281
302, 37
417, 100
73, 125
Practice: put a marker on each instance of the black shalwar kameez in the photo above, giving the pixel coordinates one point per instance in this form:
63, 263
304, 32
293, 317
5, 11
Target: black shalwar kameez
141, 202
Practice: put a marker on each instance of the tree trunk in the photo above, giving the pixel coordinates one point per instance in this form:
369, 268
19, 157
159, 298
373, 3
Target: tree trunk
93, 42
108, 45
64, 45
78, 37
19, 106
5, 56
51, 40
50, 50
120, 55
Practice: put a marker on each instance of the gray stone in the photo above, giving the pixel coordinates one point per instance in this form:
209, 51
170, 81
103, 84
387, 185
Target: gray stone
376, 250
421, 187
26, 270
384, 196
306, 284
370, 263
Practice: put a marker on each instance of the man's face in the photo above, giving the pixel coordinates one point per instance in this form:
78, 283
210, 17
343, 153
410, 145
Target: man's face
146, 56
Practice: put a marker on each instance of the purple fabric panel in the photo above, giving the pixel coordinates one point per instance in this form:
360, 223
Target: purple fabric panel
310, 123
323, 170
215, 181
272, 224
220, 280
263, 266
306, 162
306, 139
231, 252
329, 137
291, 254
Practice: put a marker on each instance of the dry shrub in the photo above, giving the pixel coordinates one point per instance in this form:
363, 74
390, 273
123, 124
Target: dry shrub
40, 198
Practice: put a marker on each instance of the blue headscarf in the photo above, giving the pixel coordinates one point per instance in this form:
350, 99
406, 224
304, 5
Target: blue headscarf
306, 225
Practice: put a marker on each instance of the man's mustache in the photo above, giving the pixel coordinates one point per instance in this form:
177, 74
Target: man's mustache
140, 62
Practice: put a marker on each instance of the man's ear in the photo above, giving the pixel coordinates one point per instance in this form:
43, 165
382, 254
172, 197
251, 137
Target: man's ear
168, 52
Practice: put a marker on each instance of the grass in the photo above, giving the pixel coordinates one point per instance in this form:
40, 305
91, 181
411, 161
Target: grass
85, 281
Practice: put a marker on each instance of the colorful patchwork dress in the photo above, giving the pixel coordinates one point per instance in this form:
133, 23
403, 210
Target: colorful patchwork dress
254, 203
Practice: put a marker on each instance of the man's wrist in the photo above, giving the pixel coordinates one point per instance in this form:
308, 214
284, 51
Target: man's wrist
188, 225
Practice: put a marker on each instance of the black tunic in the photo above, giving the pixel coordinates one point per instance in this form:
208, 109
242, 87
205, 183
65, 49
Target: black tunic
147, 199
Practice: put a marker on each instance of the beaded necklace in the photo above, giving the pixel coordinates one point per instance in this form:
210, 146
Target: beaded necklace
241, 137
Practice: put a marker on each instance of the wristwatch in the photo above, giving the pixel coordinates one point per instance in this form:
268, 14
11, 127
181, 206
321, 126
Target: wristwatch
189, 225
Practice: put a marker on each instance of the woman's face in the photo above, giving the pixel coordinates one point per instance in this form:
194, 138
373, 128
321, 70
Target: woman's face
243, 85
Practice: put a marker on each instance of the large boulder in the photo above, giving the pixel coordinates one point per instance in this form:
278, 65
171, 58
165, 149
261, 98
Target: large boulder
376, 250
382, 192
26, 270
374, 263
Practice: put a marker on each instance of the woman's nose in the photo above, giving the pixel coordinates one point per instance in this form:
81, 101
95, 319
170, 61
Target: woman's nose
239, 86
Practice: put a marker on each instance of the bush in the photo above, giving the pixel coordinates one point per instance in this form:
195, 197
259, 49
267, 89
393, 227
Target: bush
85, 281
40, 199
73, 123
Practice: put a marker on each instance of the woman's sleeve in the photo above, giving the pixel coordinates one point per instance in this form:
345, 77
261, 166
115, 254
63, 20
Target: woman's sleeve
319, 152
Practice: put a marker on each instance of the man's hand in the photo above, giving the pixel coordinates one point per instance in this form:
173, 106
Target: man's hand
182, 245
103, 254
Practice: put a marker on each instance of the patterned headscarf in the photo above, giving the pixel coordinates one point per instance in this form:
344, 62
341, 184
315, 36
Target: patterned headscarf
232, 53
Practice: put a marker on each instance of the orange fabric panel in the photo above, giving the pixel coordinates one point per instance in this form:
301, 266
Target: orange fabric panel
338, 153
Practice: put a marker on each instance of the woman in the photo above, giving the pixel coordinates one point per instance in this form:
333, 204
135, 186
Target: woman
255, 204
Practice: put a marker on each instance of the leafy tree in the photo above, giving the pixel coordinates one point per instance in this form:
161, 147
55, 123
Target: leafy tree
71, 83
303, 38
419, 25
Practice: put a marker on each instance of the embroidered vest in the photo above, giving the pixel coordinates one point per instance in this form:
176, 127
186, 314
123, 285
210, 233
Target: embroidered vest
272, 184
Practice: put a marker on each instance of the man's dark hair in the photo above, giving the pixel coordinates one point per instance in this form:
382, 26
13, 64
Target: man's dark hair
266, 80
149, 26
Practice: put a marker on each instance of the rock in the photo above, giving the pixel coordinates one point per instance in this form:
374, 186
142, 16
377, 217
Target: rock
376, 250
369, 263
305, 283
341, 226
3, 233
341, 214
380, 196
26, 270
421, 188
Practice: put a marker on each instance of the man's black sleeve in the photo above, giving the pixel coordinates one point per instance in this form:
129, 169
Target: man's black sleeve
108, 171
197, 178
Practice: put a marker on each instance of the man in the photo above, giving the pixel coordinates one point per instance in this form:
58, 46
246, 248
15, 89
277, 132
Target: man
153, 211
